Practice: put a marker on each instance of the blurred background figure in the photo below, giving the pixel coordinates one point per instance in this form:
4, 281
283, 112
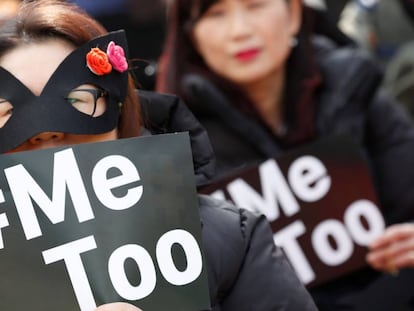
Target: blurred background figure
325, 22
144, 22
399, 72
356, 20
399, 76
386, 29
381, 26
335, 7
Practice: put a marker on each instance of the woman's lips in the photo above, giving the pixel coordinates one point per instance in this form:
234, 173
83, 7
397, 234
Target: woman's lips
247, 55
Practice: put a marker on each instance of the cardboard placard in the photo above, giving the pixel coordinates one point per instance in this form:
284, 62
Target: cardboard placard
321, 204
96, 223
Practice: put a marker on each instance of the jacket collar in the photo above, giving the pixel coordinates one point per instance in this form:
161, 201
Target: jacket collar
168, 114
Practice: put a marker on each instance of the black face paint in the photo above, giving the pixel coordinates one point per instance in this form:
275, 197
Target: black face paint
50, 111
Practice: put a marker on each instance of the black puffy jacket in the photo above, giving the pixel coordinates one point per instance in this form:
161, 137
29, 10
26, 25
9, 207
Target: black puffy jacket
245, 270
349, 101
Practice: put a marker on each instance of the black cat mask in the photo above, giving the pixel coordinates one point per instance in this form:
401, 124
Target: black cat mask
100, 62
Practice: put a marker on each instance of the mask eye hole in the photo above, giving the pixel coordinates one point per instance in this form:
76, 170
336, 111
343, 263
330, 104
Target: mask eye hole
88, 99
6, 111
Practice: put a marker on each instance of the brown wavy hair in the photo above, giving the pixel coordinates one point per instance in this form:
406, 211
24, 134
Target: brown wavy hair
42, 19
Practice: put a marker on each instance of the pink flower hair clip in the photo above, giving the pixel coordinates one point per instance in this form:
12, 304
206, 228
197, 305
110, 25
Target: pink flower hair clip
116, 56
101, 63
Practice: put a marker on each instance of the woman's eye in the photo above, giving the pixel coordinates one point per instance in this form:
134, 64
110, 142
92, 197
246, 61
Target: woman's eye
71, 100
80, 97
256, 4
88, 100
215, 11
6, 111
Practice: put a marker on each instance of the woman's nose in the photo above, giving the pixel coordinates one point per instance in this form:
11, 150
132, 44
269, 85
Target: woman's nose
46, 137
239, 25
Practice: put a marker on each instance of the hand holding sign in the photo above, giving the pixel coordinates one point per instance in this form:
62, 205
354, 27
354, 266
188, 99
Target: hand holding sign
394, 249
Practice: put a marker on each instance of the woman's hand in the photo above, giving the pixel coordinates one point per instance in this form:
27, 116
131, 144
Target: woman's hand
394, 249
117, 306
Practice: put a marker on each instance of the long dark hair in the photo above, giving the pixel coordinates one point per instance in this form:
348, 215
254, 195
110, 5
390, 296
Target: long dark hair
180, 58
41, 19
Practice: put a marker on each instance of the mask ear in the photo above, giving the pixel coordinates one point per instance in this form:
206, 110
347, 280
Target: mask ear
295, 16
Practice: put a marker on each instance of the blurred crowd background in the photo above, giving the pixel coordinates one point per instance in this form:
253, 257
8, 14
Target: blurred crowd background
383, 27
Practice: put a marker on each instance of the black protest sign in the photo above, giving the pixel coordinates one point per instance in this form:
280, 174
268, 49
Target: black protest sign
95, 223
321, 204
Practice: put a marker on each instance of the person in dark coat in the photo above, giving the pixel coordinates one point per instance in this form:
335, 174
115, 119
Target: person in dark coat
54, 52
262, 83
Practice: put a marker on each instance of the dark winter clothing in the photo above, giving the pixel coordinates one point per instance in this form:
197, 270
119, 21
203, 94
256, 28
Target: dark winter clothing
245, 270
348, 100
